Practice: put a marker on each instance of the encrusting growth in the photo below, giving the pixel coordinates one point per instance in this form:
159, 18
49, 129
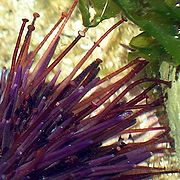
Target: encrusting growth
48, 129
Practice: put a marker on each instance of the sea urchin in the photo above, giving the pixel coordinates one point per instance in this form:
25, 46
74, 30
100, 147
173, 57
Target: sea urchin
48, 129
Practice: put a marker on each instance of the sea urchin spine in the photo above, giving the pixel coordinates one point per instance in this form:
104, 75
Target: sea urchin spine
48, 130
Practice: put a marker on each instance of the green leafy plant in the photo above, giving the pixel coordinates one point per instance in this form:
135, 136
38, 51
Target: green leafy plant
103, 9
159, 21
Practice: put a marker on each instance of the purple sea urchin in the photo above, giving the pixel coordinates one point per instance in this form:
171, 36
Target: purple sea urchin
47, 129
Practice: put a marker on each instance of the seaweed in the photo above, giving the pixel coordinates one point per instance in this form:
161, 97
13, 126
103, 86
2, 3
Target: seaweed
159, 21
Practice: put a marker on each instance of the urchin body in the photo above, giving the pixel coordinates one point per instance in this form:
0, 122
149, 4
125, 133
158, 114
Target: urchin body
47, 128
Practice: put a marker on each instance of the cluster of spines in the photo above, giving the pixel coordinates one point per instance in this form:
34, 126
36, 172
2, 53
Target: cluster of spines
47, 129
